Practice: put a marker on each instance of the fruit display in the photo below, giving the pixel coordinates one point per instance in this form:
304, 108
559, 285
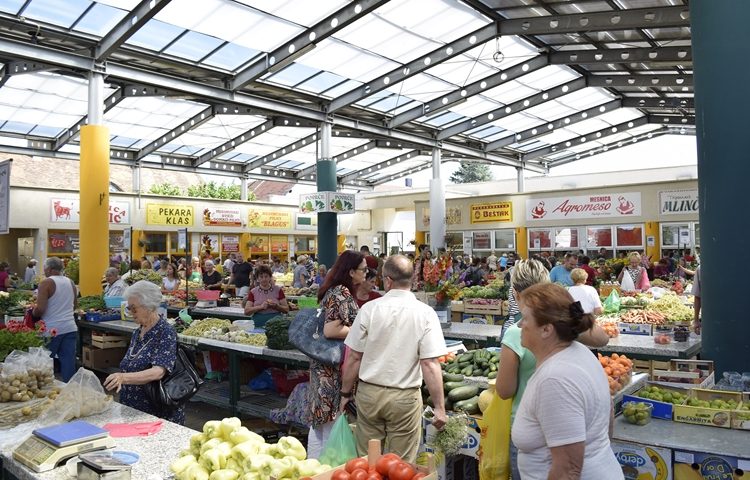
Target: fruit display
637, 300
226, 450
277, 331
198, 328
388, 467
283, 279
148, 275
718, 404
650, 317
480, 292
662, 395
477, 363
91, 302
672, 308
637, 413
610, 326
237, 336
618, 369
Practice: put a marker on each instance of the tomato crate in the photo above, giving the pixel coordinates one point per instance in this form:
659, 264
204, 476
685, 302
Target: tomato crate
374, 454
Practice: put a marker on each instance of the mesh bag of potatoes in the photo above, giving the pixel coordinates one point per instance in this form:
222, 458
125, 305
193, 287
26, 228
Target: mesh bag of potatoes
82, 396
27, 386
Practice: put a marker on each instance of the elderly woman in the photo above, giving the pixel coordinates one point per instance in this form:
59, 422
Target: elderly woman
587, 295
151, 354
266, 300
211, 277
562, 425
636, 272
30, 274
115, 285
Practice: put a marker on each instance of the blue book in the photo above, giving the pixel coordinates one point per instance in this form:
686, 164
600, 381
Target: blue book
70, 433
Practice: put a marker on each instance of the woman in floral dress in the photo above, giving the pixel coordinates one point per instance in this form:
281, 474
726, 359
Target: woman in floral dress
336, 295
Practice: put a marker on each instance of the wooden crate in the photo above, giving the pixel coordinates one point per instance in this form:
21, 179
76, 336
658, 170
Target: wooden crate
496, 309
373, 454
105, 340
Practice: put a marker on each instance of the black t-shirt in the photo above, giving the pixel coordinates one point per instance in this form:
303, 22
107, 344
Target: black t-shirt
212, 279
241, 272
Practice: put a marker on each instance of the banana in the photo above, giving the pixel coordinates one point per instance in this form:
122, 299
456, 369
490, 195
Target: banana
661, 466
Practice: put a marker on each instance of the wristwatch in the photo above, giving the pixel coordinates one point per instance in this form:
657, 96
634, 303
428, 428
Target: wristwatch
345, 394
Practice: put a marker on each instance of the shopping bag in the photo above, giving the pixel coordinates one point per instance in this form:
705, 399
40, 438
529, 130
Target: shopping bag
612, 302
494, 440
341, 446
627, 284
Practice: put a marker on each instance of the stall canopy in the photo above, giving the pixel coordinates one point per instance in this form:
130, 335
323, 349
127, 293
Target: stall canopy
240, 87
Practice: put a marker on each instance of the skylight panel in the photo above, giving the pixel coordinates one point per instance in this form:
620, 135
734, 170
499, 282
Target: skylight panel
193, 46
56, 12
11, 6
303, 12
100, 19
231, 57
292, 75
155, 35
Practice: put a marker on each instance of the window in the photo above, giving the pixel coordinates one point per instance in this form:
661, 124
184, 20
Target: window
454, 241
304, 244
566, 238
63, 243
505, 240
481, 241
670, 234
599, 237
155, 243
629, 236
539, 239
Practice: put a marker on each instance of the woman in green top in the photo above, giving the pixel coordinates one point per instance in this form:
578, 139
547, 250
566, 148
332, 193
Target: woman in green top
517, 364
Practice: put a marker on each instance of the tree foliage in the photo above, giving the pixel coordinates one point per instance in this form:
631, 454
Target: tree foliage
471, 172
203, 190
165, 188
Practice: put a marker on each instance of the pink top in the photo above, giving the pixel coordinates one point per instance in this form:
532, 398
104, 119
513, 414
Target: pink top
258, 295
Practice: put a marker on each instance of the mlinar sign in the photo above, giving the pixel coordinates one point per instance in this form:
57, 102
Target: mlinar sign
598, 205
676, 202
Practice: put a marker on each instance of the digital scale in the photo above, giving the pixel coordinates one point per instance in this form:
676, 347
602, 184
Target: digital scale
205, 304
47, 447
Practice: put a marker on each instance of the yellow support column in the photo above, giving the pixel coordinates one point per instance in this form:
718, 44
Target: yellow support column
94, 214
244, 249
522, 242
138, 250
419, 239
652, 230
340, 243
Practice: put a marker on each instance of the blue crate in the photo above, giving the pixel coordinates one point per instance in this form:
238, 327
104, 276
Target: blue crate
113, 302
106, 316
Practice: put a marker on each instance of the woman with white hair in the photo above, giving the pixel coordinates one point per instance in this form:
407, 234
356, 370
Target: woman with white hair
211, 277
151, 354
30, 273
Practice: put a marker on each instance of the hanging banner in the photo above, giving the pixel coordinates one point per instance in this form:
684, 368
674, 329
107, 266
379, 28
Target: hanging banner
313, 202
584, 206
491, 212
67, 210
127, 235
159, 214
5, 197
677, 202
230, 244
222, 217
340, 202
269, 219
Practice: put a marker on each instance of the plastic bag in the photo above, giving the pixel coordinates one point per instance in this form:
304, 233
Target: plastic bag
612, 303
494, 443
264, 381
341, 446
26, 375
82, 396
627, 284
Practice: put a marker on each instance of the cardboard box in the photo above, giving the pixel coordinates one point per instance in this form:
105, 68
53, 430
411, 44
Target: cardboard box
97, 358
105, 340
640, 461
697, 373
713, 417
662, 410
470, 448
703, 466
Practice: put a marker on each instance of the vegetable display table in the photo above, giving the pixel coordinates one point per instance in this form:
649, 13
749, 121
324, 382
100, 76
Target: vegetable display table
487, 334
643, 347
155, 451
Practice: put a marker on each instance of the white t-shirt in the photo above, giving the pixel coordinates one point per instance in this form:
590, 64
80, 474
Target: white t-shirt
566, 401
587, 295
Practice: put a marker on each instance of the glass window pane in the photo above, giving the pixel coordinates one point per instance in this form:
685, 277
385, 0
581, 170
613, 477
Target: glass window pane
193, 46
56, 12
156, 243
566, 238
599, 237
630, 236
505, 240
155, 35
540, 239
100, 19
481, 241
11, 6
670, 234
454, 241
231, 56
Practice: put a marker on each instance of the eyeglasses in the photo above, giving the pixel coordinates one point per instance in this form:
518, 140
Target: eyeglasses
362, 269
131, 309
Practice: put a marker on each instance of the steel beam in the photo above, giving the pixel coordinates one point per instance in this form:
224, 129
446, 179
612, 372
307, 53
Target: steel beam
296, 145
470, 90
513, 108
641, 80
285, 54
380, 165
412, 170
656, 102
658, 17
65, 137
372, 144
135, 19
581, 139
232, 143
622, 55
23, 66
197, 120
294, 122
424, 62
549, 127
672, 119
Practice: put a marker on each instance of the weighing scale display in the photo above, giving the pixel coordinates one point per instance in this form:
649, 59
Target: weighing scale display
41, 456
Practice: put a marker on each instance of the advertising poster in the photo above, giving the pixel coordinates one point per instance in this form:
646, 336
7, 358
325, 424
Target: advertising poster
675, 202
222, 217
230, 244
313, 202
341, 202
67, 210
258, 243
159, 214
622, 205
269, 219
307, 221
492, 212
279, 243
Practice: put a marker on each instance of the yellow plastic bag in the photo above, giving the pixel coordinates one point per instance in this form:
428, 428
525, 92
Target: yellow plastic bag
494, 441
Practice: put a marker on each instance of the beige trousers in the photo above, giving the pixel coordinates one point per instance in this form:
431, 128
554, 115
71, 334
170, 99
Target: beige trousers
391, 415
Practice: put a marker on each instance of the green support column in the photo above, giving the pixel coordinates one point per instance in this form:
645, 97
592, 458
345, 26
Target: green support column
326, 181
721, 40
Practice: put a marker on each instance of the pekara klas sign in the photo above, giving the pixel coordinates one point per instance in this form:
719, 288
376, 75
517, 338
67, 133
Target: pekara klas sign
675, 202
598, 205
172, 215
269, 219
67, 210
222, 217
491, 212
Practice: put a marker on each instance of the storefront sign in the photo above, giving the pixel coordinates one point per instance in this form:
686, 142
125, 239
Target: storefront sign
623, 205
222, 217
341, 202
230, 244
63, 242
67, 210
492, 212
269, 219
313, 202
452, 216
173, 215
4, 197
677, 202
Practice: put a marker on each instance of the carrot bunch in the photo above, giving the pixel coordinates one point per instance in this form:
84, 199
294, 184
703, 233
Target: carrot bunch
618, 369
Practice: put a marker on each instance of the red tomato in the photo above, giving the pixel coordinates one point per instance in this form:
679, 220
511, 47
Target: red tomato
384, 463
401, 471
340, 474
358, 474
356, 463
374, 475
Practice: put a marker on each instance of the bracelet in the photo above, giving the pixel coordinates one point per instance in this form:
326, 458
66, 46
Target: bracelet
346, 394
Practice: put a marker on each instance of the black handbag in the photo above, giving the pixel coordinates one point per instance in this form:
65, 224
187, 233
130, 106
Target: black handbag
177, 387
306, 333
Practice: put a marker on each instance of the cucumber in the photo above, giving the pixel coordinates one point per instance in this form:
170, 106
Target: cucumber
470, 405
492, 375
463, 393
468, 371
463, 365
449, 377
448, 386
466, 357
454, 371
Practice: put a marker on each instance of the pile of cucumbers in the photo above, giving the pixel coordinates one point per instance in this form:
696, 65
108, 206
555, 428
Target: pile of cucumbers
460, 394
474, 363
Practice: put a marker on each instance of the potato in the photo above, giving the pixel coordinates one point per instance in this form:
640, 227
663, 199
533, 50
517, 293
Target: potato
16, 397
26, 411
5, 395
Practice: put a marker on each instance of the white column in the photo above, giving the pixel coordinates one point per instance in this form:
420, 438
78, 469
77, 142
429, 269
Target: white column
520, 179
243, 189
96, 99
137, 178
437, 205
325, 140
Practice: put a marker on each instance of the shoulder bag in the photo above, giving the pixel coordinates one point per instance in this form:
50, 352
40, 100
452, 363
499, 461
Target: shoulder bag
306, 333
177, 387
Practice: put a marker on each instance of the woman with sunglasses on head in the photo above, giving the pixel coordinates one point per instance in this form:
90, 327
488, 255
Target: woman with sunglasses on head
366, 290
151, 354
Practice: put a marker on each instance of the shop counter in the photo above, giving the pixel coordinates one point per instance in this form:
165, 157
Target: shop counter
643, 347
156, 451
488, 334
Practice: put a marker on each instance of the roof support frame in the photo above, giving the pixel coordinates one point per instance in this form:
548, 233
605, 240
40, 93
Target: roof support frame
641, 80
621, 55
286, 53
65, 137
654, 102
269, 157
380, 165
683, 120
128, 26
195, 121
232, 143
364, 148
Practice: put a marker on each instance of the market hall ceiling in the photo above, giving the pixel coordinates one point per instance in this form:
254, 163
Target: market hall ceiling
240, 87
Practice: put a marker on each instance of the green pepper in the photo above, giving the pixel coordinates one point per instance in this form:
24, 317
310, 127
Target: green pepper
290, 446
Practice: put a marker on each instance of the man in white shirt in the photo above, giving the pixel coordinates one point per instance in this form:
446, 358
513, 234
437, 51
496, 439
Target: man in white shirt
395, 341
229, 264
115, 285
